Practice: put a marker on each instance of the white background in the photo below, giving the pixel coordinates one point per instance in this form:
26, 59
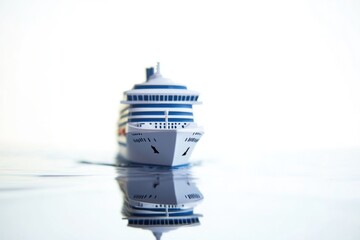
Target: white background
273, 75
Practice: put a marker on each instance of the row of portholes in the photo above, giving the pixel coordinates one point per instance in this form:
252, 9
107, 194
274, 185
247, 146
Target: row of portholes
162, 98
170, 221
173, 125
183, 126
168, 123
193, 195
140, 196
163, 125
169, 206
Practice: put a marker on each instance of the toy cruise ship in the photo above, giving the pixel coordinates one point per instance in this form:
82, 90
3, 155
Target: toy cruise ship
159, 200
156, 123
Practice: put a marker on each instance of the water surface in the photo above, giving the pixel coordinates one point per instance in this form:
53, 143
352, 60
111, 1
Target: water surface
311, 195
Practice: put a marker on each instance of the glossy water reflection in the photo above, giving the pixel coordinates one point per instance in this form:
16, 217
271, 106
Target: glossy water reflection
159, 199
47, 195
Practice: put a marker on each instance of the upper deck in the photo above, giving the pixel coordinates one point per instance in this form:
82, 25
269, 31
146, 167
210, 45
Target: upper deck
158, 103
160, 90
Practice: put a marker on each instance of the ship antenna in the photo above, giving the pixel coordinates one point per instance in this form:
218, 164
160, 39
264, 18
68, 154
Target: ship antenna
158, 68
157, 235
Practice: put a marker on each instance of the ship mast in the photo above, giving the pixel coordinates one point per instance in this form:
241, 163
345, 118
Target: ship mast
157, 235
158, 74
158, 68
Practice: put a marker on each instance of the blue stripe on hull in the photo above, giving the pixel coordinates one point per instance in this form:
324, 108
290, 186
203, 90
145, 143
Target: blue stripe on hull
159, 209
161, 120
178, 113
159, 87
147, 120
161, 105
190, 213
147, 113
180, 120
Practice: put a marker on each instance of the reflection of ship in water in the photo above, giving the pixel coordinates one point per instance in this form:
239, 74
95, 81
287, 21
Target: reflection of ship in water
159, 200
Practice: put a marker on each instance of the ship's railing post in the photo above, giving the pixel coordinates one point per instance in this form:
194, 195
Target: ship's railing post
166, 118
167, 210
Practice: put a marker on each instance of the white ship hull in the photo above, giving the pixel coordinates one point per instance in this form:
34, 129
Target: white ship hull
156, 124
167, 147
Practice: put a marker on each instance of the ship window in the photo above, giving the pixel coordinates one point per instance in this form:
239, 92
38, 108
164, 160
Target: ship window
146, 222
171, 221
157, 97
140, 97
170, 98
161, 97
192, 98
183, 98
146, 97
129, 97
152, 98
187, 98
196, 98
175, 98
135, 98
162, 221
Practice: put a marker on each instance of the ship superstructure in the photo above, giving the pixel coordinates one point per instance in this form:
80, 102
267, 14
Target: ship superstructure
156, 123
